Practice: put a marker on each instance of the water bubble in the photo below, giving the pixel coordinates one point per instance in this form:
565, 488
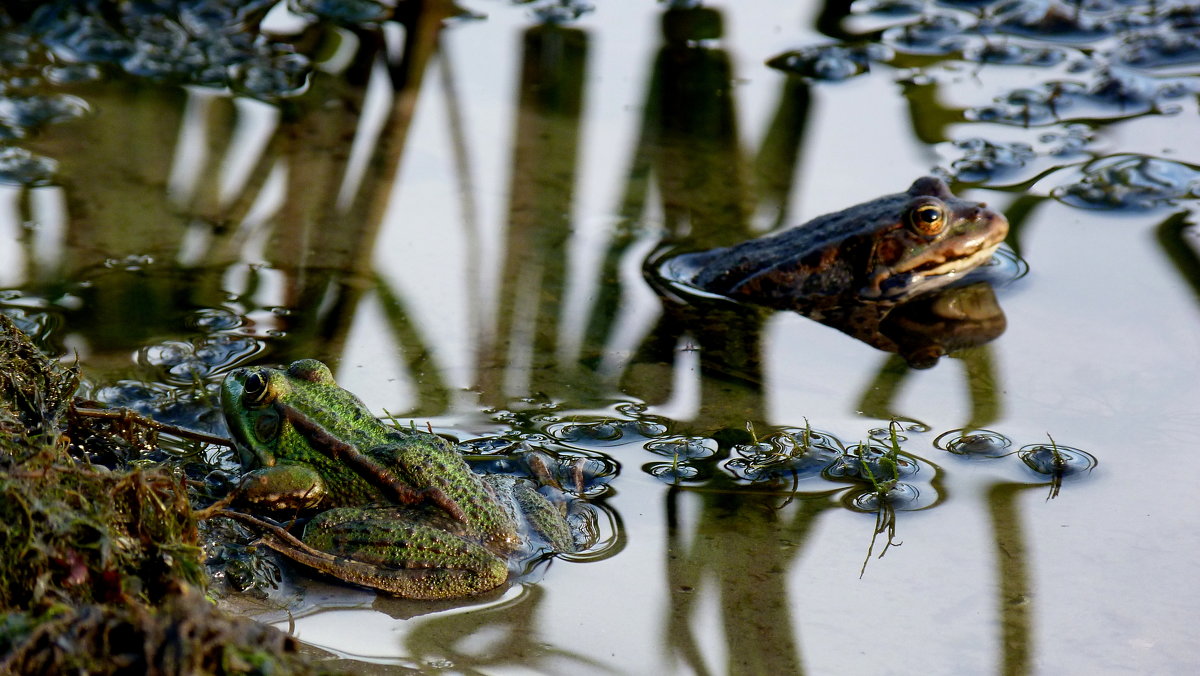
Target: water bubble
1134, 182
649, 428
932, 34
900, 496
212, 47
213, 320
1159, 49
1056, 460
33, 322
884, 434
786, 453
1031, 106
602, 431
21, 167
185, 363
1049, 21
505, 417
974, 443
866, 462
560, 11
831, 62
672, 472
342, 11
631, 409
983, 160
608, 431
490, 446
1014, 54
889, 7
684, 447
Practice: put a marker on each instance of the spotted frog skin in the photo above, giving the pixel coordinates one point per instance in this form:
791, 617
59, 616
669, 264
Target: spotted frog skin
400, 510
889, 248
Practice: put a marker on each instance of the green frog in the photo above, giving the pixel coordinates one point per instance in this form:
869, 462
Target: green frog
890, 248
399, 509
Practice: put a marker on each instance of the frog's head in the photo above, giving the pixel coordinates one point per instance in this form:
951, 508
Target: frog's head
936, 236
261, 405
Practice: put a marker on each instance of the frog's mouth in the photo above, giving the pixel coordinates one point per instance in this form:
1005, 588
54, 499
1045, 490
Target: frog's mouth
938, 266
947, 265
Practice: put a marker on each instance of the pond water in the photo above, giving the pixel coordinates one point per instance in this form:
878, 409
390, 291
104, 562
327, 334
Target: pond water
456, 210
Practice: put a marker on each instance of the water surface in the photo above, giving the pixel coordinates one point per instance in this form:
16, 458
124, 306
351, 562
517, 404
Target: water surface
455, 212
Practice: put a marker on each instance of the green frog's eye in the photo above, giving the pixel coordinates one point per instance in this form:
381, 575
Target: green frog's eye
927, 218
255, 391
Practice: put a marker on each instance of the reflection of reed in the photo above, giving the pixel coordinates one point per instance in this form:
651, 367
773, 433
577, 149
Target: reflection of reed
689, 144
739, 547
1177, 236
980, 376
213, 183
689, 147
520, 358
1012, 585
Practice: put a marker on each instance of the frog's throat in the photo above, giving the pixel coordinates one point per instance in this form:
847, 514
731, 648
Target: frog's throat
361, 464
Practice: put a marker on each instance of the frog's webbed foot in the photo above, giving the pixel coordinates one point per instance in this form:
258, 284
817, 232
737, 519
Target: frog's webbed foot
548, 471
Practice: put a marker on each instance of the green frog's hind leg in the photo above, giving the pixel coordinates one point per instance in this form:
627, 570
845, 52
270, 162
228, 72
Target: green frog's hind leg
539, 513
395, 550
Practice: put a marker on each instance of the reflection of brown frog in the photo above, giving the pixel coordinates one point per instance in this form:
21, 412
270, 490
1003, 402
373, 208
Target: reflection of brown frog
868, 271
925, 327
889, 248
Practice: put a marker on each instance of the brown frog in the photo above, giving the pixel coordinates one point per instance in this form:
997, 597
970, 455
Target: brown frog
887, 249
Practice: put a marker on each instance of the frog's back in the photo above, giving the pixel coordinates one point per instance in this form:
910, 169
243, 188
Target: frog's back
820, 257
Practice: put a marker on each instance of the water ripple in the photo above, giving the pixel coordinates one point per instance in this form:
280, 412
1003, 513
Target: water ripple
1055, 460
974, 443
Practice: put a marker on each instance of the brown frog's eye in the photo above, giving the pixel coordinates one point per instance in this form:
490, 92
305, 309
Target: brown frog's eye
255, 391
928, 217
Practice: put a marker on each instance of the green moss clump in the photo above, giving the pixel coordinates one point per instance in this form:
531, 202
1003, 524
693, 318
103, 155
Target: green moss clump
184, 635
101, 570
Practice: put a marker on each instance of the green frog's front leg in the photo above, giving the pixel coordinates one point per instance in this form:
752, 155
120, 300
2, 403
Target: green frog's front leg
293, 488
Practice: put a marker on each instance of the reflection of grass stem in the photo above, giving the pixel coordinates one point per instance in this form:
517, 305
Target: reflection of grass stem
1060, 465
885, 514
885, 519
